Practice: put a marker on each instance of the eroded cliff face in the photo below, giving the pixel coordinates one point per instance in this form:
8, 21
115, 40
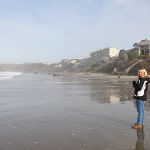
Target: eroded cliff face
122, 60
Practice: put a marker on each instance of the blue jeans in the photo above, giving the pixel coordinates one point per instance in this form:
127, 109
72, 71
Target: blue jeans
140, 111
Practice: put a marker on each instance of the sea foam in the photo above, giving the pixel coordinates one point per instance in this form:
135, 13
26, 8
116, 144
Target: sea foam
8, 75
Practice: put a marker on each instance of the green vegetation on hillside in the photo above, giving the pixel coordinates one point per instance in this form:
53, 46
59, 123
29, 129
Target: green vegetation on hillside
128, 62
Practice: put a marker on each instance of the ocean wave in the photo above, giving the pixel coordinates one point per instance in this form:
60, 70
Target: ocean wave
8, 75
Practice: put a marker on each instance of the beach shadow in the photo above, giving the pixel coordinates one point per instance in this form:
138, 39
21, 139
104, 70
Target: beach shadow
140, 140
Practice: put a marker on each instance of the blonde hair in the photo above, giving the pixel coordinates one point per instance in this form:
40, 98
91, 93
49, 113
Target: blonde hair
144, 72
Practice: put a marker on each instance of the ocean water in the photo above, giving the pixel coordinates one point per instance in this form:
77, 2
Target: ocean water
42, 112
8, 75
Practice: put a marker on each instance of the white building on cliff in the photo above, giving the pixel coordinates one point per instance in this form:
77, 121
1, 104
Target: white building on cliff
104, 55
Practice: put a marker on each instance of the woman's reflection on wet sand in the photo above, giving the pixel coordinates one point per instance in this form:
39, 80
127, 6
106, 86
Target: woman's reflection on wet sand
140, 140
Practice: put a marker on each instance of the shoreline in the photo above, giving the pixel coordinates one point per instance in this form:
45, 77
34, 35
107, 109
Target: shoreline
99, 75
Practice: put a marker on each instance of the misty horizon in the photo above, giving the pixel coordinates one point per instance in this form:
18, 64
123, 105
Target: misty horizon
49, 31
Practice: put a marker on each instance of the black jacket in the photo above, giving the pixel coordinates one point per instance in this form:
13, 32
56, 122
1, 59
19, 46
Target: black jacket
141, 87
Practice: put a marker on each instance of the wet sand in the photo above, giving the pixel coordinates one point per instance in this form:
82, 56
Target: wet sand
41, 112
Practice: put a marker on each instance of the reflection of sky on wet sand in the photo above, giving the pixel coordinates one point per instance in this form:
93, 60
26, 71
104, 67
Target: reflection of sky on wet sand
67, 113
111, 91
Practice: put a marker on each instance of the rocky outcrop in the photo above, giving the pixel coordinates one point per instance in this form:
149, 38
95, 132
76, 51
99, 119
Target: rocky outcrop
123, 58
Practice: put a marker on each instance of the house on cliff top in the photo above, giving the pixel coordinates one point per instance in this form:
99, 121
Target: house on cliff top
103, 55
143, 47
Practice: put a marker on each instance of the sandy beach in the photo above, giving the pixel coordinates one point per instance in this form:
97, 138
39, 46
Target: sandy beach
73, 112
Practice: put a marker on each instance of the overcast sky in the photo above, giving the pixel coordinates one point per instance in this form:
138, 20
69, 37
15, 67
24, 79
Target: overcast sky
52, 30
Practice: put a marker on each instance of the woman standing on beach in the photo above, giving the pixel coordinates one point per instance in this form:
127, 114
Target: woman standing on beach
140, 95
